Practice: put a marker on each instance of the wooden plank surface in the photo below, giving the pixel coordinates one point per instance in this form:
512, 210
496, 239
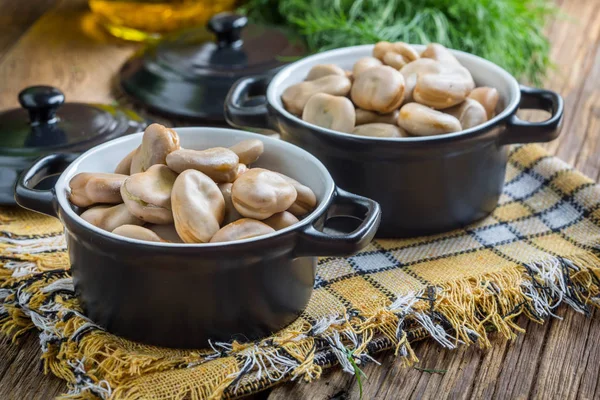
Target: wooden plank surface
16, 17
56, 42
21, 375
66, 49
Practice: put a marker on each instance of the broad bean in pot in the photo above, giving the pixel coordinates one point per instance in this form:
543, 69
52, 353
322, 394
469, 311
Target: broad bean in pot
165, 232
377, 129
399, 54
439, 53
444, 89
157, 142
244, 228
219, 163
470, 113
260, 193
305, 201
321, 70
137, 232
295, 97
198, 206
421, 120
281, 220
364, 64
92, 188
147, 195
248, 151
124, 167
368, 117
109, 218
378, 89
488, 97
331, 112
411, 72
231, 214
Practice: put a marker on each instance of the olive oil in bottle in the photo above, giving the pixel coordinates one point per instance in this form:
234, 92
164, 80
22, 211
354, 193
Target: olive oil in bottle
142, 20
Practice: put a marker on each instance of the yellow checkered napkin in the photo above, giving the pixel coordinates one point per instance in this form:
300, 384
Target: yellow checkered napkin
538, 249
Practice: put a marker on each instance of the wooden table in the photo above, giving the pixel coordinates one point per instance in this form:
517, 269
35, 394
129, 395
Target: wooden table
57, 43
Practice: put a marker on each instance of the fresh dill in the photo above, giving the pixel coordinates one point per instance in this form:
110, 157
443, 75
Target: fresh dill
509, 33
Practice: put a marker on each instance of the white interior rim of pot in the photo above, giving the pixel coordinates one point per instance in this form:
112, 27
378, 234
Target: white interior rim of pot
329, 57
62, 186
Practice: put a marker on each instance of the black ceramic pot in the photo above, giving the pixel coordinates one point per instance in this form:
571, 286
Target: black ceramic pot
425, 185
181, 295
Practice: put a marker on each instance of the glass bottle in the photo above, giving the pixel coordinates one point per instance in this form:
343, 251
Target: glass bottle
142, 20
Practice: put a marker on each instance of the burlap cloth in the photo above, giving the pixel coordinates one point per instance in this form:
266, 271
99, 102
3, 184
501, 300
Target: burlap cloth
540, 248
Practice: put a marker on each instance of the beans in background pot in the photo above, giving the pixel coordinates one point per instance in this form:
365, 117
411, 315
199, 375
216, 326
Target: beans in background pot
295, 97
377, 129
319, 71
421, 120
331, 112
382, 85
379, 89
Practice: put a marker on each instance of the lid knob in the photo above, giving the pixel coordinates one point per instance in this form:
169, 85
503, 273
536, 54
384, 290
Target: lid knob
41, 102
228, 28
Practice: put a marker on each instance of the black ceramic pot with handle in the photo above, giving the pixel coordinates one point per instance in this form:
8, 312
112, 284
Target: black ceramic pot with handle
427, 184
181, 295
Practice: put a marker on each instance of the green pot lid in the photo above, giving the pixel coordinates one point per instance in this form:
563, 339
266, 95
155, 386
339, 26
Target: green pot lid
190, 73
46, 124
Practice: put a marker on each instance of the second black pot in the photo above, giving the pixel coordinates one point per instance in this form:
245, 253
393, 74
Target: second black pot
425, 185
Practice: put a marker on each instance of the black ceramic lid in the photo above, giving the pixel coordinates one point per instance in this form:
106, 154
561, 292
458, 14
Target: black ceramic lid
46, 124
189, 74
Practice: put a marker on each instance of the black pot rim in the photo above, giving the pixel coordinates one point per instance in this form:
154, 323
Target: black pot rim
329, 56
66, 212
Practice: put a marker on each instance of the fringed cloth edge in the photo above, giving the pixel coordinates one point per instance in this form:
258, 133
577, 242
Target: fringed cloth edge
97, 364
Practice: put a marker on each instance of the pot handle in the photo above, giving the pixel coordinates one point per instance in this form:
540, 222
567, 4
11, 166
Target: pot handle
314, 242
246, 103
42, 201
519, 131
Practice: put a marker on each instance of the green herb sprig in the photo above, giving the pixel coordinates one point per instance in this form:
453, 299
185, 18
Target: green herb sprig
357, 371
509, 33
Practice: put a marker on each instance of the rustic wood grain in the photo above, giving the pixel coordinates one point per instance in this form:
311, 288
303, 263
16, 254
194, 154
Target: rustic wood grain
512, 371
64, 48
575, 46
16, 17
57, 42
20, 371
565, 361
